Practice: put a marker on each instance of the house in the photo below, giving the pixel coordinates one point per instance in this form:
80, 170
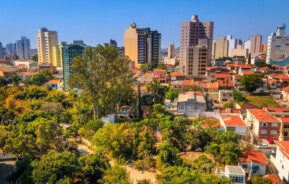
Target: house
253, 162
146, 78
225, 96
265, 125
54, 83
284, 130
279, 112
280, 159
235, 173
234, 123
160, 75
191, 103
175, 76
7, 73
285, 94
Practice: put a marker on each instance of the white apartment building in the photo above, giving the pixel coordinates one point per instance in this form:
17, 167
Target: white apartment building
278, 45
280, 160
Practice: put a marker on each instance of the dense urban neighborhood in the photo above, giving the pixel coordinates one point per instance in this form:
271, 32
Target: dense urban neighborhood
206, 112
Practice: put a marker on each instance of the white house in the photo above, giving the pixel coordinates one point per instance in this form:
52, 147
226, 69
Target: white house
280, 159
253, 162
233, 123
235, 173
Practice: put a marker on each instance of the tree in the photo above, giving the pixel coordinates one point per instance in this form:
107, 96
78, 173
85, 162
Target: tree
116, 174
239, 97
93, 167
261, 64
167, 154
251, 82
172, 94
146, 67
39, 79
203, 164
228, 105
54, 166
103, 76
259, 180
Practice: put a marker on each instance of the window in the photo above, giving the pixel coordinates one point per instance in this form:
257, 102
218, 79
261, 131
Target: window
274, 132
264, 124
274, 125
263, 131
245, 166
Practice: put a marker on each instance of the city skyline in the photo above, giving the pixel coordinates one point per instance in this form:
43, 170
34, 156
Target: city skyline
78, 21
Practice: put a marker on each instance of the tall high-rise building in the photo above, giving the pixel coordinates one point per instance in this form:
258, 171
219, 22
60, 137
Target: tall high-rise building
196, 58
1, 51
46, 40
278, 46
232, 43
171, 51
68, 52
142, 45
221, 48
11, 47
191, 33
23, 48
57, 54
256, 44
247, 45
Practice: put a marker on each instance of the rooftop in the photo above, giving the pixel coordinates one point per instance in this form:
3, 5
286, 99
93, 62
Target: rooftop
263, 116
284, 147
233, 121
238, 170
254, 156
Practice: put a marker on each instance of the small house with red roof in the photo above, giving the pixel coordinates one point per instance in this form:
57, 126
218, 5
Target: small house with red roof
234, 124
285, 94
280, 159
265, 125
160, 75
176, 76
253, 162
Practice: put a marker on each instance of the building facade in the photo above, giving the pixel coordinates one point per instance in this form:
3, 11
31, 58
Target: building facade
142, 45
221, 48
191, 34
256, 45
278, 46
171, 51
46, 40
195, 60
23, 48
68, 52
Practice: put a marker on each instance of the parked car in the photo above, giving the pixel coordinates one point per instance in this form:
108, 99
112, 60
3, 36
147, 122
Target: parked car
264, 146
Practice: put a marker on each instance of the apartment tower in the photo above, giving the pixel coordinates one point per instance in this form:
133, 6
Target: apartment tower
221, 48
191, 33
256, 44
23, 48
171, 51
46, 40
142, 45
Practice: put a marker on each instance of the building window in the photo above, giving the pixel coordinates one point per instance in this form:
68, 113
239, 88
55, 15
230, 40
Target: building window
274, 125
263, 131
264, 124
245, 166
274, 132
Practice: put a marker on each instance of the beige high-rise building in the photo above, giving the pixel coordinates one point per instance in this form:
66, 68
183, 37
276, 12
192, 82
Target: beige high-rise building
191, 33
256, 45
57, 55
171, 51
46, 40
142, 45
195, 59
221, 48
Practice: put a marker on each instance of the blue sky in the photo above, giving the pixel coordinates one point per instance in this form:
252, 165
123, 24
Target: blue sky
98, 21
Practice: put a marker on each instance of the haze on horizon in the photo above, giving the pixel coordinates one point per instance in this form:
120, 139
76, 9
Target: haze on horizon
99, 21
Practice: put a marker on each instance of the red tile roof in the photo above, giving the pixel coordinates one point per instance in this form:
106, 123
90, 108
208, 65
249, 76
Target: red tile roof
285, 120
228, 83
54, 81
254, 156
285, 89
283, 77
284, 147
248, 72
276, 109
222, 76
157, 70
233, 121
211, 85
177, 74
263, 116
274, 178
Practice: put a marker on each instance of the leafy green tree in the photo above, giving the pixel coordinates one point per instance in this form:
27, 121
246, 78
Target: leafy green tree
146, 67
177, 175
93, 167
259, 180
104, 78
116, 174
261, 64
203, 164
167, 154
172, 94
54, 166
251, 82
228, 105
239, 97
39, 79
157, 88
144, 181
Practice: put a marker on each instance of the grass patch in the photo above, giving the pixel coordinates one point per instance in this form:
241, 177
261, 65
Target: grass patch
262, 101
